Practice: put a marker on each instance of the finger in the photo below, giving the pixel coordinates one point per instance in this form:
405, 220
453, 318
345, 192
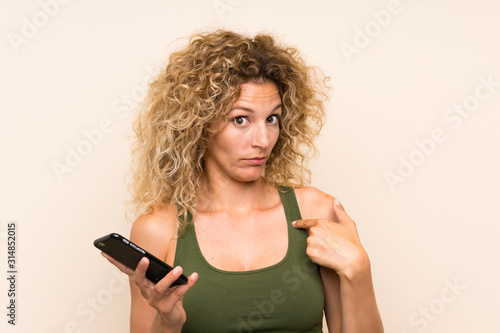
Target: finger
174, 294
304, 224
340, 212
139, 275
125, 269
182, 289
165, 283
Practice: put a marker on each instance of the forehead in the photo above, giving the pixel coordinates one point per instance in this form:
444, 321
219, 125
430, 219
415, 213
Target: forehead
266, 93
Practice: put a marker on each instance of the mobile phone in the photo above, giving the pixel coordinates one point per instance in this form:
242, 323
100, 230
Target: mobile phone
130, 254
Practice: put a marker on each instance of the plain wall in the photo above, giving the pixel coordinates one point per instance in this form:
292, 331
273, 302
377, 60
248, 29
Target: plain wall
411, 146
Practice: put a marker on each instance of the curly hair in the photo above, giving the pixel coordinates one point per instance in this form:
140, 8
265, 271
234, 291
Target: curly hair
197, 88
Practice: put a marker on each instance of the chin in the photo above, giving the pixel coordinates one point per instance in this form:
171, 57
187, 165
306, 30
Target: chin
248, 178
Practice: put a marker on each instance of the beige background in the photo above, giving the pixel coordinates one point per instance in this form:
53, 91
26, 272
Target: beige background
82, 66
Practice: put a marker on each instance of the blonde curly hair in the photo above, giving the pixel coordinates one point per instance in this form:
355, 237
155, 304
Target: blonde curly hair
197, 88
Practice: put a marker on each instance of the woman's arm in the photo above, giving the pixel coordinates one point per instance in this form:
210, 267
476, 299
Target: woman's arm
333, 243
350, 304
155, 308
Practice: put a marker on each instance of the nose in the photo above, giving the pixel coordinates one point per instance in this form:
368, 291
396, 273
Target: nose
260, 137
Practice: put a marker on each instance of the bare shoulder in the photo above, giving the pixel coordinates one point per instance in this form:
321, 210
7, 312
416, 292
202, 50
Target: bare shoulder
314, 203
155, 231
311, 196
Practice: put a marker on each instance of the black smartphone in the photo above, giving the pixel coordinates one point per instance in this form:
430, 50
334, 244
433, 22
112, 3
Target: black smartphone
130, 254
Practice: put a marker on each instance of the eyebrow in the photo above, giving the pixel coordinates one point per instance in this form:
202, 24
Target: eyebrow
244, 108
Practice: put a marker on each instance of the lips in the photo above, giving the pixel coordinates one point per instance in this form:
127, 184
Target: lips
259, 160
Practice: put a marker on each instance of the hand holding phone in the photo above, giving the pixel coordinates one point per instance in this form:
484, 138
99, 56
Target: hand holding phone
129, 254
156, 281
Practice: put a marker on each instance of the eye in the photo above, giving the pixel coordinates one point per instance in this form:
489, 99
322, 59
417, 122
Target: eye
273, 119
240, 121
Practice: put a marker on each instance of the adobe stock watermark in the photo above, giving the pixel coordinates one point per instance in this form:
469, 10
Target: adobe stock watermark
224, 6
425, 315
454, 117
380, 19
121, 108
31, 26
88, 310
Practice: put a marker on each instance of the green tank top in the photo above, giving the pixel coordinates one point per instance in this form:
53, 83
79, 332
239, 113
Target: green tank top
285, 297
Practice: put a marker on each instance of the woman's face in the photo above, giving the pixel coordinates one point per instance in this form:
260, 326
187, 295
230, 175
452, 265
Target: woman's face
240, 150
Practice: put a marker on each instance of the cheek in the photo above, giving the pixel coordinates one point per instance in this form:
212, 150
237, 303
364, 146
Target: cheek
275, 136
226, 145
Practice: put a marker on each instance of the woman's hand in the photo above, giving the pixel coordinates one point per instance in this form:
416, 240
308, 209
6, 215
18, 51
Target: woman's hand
335, 245
164, 298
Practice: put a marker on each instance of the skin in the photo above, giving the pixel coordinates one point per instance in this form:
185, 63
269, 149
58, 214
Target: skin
237, 206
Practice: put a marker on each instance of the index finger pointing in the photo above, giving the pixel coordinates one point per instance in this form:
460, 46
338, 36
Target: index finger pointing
304, 224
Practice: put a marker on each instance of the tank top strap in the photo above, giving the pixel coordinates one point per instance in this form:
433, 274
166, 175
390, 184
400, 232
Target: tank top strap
290, 204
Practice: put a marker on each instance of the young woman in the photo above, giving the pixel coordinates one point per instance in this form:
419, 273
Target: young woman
220, 168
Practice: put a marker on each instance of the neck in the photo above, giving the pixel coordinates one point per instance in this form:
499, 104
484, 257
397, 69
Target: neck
231, 195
